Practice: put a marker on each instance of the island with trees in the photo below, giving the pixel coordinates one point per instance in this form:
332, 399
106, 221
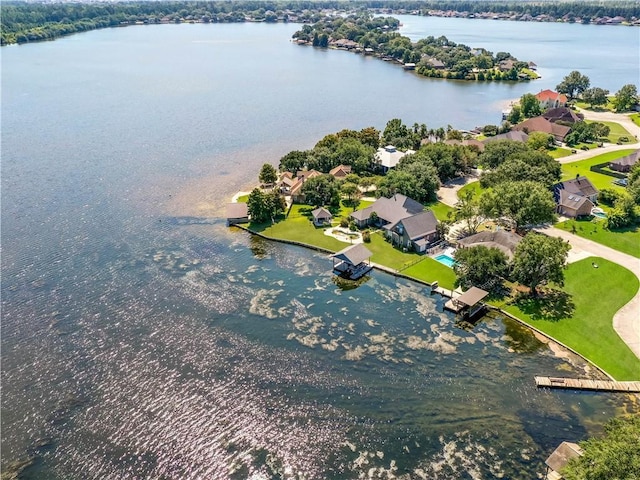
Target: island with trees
430, 57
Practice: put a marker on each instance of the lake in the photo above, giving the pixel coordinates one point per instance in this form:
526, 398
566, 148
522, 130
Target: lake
141, 338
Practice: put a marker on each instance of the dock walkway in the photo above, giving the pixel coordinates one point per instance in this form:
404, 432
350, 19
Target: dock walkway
588, 384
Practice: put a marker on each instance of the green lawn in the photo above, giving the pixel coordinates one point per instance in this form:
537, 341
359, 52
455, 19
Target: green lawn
440, 210
243, 199
616, 131
430, 270
600, 181
600, 108
626, 240
635, 118
583, 319
473, 186
558, 152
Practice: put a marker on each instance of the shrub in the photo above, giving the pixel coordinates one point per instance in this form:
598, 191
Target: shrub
366, 236
344, 223
353, 227
608, 196
623, 139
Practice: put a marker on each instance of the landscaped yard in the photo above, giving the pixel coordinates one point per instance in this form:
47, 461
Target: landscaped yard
583, 319
635, 118
600, 181
430, 270
616, 131
473, 186
625, 240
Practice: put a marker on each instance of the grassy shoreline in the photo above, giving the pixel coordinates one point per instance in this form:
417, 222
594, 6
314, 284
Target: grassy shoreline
579, 316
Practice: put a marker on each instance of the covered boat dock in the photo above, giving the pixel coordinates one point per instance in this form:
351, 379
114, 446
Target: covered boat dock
469, 303
352, 262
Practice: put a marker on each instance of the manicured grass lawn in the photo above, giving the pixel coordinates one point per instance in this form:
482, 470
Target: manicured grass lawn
473, 186
385, 254
594, 295
600, 181
600, 108
243, 199
440, 210
430, 270
626, 240
635, 118
616, 131
558, 152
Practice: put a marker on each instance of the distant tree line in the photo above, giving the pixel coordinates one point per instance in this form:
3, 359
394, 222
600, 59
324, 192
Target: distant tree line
23, 22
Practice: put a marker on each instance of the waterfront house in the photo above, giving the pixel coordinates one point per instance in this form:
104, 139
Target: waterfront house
541, 124
626, 163
340, 171
321, 217
471, 142
575, 197
388, 157
387, 210
291, 185
237, 213
506, 65
415, 232
550, 99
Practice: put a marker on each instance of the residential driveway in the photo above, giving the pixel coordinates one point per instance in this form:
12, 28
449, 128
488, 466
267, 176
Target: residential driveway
626, 321
448, 193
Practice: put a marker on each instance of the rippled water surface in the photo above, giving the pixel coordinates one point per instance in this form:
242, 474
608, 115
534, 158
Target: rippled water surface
141, 338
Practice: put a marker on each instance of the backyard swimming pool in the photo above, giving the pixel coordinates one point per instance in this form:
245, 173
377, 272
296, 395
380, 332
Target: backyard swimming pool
446, 260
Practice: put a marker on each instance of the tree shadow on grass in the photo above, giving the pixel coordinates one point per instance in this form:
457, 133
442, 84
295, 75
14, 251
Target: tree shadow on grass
550, 305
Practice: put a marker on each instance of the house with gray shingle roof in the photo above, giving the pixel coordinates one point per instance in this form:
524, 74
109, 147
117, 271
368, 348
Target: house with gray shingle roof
625, 163
575, 197
415, 232
388, 210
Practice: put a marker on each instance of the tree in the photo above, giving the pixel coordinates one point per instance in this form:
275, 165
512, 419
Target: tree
416, 180
468, 211
573, 84
399, 135
515, 115
540, 140
321, 190
497, 152
268, 174
615, 456
264, 206
626, 98
350, 190
539, 259
479, 266
293, 161
523, 203
531, 165
595, 96
530, 105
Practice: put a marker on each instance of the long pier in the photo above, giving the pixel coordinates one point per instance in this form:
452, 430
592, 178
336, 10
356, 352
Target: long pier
587, 384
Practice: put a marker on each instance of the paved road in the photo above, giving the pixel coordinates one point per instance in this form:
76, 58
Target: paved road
626, 321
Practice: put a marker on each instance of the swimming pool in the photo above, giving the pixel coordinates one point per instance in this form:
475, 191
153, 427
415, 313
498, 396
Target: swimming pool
445, 260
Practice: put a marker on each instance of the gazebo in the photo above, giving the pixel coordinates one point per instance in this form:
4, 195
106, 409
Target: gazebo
352, 262
321, 217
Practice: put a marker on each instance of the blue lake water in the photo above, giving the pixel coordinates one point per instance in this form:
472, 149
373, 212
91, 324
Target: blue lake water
141, 338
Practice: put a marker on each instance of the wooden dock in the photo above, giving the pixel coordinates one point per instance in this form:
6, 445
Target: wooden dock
587, 384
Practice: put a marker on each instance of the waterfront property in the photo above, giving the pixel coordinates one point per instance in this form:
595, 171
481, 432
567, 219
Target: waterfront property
550, 99
291, 185
387, 210
352, 262
237, 213
515, 135
415, 232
